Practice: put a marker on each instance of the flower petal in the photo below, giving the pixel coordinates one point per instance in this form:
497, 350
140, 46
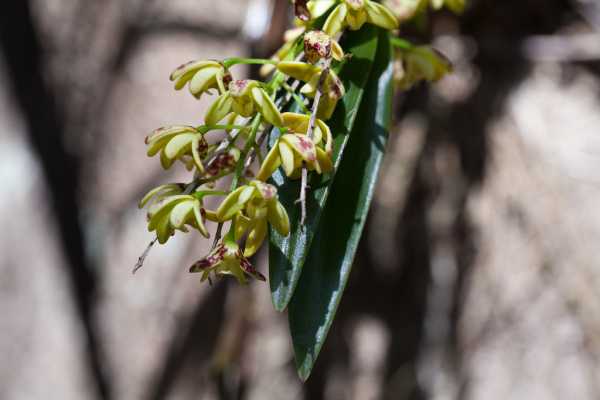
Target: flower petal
265, 191
256, 236
203, 80
302, 145
242, 223
266, 107
218, 109
336, 20
380, 15
191, 66
287, 157
295, 122
278, 217
196, 144
298, 70
324, 161
234, 202
319, 7
179, 145
157, 191
163, 207
336, 51
356, 19
269, 164
200, 220
163, 229
180, 213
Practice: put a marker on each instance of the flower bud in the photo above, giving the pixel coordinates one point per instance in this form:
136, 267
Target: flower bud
317, 45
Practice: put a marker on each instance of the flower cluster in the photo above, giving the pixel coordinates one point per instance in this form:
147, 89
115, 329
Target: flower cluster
245, 111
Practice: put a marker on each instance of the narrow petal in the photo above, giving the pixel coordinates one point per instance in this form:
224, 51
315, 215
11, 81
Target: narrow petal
269, 164
356, 19
287, 157
326, 132
324, 161
319, 7
242, 223
200, 220
203, 80
336, 51
335, 20
157, 191
298, 70
183, 79
250, 270
278, 217
192, 66
165, 161
180, 213
163, 229
229, 206
256, 236
310, 88
380, 15
218, 109
179, 145
266, 107
196, 144
246, 194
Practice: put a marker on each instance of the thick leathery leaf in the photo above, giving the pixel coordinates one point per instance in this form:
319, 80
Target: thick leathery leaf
287, 254
316, 298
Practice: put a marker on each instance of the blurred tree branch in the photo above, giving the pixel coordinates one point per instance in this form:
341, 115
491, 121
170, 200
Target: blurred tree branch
24, 59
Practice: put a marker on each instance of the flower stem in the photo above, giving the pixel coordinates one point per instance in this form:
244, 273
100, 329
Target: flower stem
309, 134
229, 62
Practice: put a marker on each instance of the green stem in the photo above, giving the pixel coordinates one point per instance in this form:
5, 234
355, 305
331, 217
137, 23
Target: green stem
249, 143
203, 193
205, 128
229, 62
296, 97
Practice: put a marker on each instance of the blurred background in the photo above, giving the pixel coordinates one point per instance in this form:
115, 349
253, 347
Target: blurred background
476, 278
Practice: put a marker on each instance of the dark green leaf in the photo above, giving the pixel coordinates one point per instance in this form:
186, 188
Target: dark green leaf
287, 254
320, 288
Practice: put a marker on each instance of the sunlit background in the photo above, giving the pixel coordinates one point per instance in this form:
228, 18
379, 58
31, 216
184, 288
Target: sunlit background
478, 274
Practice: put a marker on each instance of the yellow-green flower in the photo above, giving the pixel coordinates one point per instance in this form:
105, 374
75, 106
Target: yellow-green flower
245, 97
253, 206
355, 13
318, 45
292, 150
420, 63
333, 88
178, 143
202, 77
298, 123
170, 210
226, 259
